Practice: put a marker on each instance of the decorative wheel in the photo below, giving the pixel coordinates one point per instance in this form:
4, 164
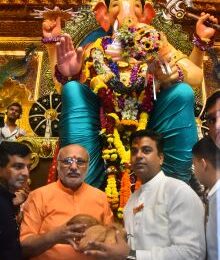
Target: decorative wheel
44, 115
204, 128
201, 120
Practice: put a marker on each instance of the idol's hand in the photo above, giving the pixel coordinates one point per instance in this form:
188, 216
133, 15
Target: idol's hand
69, 59
165, 73
203, 31
52, 27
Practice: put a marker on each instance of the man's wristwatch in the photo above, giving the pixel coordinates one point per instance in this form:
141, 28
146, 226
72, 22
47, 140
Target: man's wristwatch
132, 255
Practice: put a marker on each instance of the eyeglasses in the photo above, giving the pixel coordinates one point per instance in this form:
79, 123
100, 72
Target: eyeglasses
68, 161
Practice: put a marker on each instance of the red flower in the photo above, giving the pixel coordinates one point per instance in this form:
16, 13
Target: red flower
107, 100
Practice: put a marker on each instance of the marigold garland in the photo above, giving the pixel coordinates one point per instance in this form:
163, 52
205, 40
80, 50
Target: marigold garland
86, 70
127, 122
142, 124
111, 191
125, 191
109, 154
115, 116
125, 90
125, 188
124, 155
99, 86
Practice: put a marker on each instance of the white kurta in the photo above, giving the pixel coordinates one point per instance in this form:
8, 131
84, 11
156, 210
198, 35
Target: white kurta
211, 227
7, 135
170, 226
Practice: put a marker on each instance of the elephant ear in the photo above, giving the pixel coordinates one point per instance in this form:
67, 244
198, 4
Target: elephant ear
102, 15
148, 13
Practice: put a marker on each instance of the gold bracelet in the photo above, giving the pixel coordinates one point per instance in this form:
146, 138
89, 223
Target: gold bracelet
178, 55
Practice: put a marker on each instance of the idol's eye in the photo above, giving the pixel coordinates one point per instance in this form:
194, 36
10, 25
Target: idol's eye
114, 4
137, 5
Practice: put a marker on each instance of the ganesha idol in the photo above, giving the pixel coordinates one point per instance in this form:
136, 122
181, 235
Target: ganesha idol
118, 70
128, 81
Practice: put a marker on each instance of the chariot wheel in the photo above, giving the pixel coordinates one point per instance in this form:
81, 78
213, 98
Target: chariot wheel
44, 115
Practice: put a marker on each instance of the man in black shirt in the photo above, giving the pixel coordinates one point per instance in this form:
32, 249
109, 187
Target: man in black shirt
14, 173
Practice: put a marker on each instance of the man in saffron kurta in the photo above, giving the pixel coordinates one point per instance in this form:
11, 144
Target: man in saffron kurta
44, 233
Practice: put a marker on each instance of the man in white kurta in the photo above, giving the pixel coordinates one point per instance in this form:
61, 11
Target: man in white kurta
7, 135
212, 235
10, 131
206, 160
171, 223
164, 219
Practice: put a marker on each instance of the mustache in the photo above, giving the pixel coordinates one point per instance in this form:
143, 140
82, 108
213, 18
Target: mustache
139, 162
74, 172
22, 179
138, 165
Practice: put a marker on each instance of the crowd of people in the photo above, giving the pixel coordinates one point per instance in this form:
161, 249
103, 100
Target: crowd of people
164, 219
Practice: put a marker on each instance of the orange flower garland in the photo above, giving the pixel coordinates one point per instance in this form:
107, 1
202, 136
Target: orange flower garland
125, 191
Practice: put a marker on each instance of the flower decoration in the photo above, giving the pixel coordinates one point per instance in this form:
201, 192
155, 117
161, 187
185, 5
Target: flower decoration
125, 191
111, 188
141, 42
125, 90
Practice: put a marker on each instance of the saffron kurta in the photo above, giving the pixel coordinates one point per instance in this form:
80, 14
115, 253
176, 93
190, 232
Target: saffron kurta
53, 205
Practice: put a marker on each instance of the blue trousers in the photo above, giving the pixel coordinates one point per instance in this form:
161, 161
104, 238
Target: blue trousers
173, 117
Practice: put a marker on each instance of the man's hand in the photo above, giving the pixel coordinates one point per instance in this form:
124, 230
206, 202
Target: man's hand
35, 245
117, 251
203, 31
68, 234
20, 196
69, 59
